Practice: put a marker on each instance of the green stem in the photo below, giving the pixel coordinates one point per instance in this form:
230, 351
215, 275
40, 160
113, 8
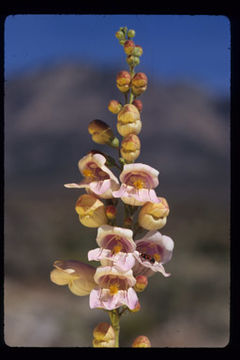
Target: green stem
115, 317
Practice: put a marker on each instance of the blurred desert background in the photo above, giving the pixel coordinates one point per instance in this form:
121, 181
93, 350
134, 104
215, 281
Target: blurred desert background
185, 135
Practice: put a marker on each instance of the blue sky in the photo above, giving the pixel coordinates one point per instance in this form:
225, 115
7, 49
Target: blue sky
193, 48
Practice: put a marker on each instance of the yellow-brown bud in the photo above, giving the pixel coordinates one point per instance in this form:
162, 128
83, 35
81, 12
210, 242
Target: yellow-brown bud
141, 283
128, 114
153, 216
138, 104
103, 335
139, 83
102, 133
114, 106
129, 121
91, 211
111, 212
130, 147
137, 307
129, 47
123, 80
130, 128
128, 222
141, 341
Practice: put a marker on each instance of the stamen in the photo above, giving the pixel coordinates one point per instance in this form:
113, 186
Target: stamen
157, 257
117, 248
139, 184
88, 173
114, 289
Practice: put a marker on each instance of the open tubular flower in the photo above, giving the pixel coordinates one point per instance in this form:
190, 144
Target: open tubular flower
129, 121
153, 216
102, 133
97, 176
130, 147
91, 211
116, 247
123, 81
103, 335
78, 276
153, 250
138, 183
115, 289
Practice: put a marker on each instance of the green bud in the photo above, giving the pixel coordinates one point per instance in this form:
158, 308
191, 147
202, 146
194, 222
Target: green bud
120, 35
131, 33
137, 51
133, 60
122, 42
115, 143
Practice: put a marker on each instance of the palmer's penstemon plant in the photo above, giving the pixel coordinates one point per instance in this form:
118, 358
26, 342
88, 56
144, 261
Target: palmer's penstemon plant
125, 263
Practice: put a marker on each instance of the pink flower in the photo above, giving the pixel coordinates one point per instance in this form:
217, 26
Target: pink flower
114, 289
138, 181
116, 247
153, 250
97, 176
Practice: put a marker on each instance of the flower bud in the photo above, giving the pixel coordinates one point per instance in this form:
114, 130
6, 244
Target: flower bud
138, 104
137, 307
137, 51
131, 33
130, 128
120, 35
102, 133
128, 114
103, 335
141, 283
153, 216
128, 222
129, 120
91, 211
139, 83
133, 60
129, 47
141, 341
123, 80
111, 212
114, 106
130, 147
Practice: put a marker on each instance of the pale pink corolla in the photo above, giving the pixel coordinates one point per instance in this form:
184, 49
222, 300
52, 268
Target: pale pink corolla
116, 247
152, 251
115, 289
98, 178
138, 183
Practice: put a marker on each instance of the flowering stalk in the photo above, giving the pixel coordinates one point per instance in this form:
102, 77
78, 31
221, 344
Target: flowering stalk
125, 263
115, 321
